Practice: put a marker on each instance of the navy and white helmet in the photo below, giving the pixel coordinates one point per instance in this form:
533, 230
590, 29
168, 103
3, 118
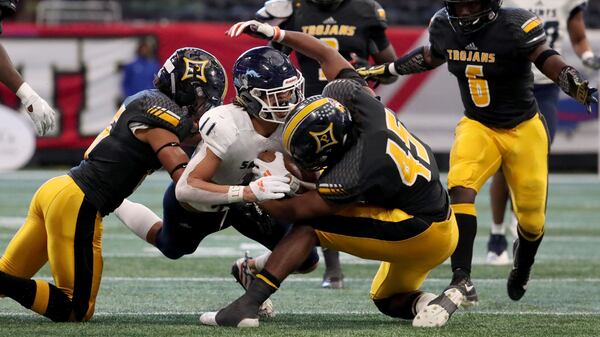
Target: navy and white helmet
192, 75
267, 83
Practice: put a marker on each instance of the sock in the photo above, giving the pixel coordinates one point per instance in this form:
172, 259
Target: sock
332, 262
527, 251
467, 229
137, 217
498, 229
39, 296
259, 261
262, 287
514, 223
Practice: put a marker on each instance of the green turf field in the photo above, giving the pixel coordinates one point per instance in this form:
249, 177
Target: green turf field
145, 294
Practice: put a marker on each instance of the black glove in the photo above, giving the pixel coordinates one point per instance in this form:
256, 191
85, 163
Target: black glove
571, 82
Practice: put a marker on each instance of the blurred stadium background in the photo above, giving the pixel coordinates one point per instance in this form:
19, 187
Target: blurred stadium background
74, 52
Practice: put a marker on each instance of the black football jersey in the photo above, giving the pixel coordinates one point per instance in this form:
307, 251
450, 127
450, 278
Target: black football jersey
117, 162
386, 165
350, 28
491, 65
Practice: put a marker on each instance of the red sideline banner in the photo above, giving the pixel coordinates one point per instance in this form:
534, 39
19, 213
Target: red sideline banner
76, 67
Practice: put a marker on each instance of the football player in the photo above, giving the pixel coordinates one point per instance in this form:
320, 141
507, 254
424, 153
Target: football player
218, 182
356, 28
379, 196
561, 18
490, 51
39, 111
64, 223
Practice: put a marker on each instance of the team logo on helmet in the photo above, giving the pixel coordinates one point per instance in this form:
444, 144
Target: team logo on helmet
324, 138
195, 69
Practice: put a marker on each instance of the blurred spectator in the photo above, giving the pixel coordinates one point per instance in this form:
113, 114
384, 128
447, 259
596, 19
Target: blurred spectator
139, 74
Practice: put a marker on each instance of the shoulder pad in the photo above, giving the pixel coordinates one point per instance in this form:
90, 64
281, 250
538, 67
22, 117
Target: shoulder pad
526, 27
154, 108
342, 90
275, 9
218, 129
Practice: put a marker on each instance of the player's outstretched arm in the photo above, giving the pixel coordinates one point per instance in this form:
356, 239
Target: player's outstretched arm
551, 64
416, 61
331, 61
42, 115
304, 206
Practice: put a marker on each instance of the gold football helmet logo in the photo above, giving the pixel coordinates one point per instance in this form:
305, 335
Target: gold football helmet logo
194, 69
324, 138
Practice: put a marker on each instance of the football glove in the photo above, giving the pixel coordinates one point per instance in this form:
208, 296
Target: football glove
571, 82
379, 73
39, 111
276, 168
591, 61
257, 29
270, 188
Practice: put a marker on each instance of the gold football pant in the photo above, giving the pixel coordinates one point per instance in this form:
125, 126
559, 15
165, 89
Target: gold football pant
409, 247
522, 153
61, 228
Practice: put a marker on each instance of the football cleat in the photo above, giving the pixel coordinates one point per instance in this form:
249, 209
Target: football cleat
462, 282
244, 276
238, 314
438, 311
332, 282
518, 278
497, 250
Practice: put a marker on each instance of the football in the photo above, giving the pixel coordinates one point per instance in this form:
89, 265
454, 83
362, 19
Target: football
269, 155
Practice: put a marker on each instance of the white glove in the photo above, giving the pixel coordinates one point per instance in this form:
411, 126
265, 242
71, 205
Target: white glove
276, 168
269, 188
257, 29
39, 111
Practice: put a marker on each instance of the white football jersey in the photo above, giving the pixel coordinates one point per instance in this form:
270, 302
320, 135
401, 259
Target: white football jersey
555, 14
228, 132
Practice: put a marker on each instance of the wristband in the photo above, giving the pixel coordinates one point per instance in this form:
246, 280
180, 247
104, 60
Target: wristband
235, 194
25, 91
278, 34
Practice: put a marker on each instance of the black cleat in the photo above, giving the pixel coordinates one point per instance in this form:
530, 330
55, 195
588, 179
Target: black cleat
238, 314
462, 281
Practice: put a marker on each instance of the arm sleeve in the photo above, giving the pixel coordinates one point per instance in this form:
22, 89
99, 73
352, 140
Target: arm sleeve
218, 132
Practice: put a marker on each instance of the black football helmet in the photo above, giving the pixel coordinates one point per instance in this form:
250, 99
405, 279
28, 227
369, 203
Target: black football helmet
8, 8
193, 77
316, 131
329, 4
267, 83
473, 22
